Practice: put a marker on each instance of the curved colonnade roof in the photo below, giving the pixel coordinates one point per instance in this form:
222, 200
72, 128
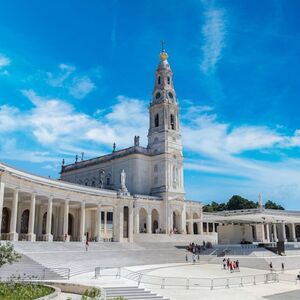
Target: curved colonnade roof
63, 185
256, 215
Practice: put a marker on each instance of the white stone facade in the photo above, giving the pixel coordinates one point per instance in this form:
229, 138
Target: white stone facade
131, 194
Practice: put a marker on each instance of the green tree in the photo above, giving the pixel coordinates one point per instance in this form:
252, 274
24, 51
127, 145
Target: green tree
7, 254
272, 205
238, 202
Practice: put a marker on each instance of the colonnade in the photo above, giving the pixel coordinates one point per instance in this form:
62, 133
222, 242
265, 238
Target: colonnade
283, 231
41, 228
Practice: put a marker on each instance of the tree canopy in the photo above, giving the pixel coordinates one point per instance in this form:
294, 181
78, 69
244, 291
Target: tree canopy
237, 202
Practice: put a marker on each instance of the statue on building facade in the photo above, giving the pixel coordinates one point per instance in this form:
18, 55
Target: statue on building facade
101, 179
123, 189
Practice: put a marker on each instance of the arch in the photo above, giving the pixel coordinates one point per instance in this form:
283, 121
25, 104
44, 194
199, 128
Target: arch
169, 80
195, 228
172, 122
195, 215
25, 221
143, 220
158, 80
5, 220
177, 226
287, 232
156, 120
70, 224
44, 223
155, 220
297, 229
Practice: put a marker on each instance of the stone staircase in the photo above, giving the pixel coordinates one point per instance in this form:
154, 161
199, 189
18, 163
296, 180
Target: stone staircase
102, 254
131, 293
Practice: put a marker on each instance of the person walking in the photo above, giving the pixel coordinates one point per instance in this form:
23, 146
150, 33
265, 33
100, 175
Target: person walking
186, 258
271, 266
282, 267
87, 245
237, 264
224, 263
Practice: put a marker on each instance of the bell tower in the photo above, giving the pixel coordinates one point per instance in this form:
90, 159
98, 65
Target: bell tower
164, 135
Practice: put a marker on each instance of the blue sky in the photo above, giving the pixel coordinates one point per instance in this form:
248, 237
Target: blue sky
78, 75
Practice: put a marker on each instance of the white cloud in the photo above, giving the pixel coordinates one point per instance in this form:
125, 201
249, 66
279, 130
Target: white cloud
81, 87
57, 80
4, 61
214, 32
78, 86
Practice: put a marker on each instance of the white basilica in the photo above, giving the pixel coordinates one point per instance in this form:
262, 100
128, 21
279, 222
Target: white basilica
134, 194
131, 194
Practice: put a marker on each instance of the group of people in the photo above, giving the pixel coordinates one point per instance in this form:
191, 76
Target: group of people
232, 266
194, 248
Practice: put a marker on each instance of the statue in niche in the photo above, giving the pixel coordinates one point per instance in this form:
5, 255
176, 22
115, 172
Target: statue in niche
101, 179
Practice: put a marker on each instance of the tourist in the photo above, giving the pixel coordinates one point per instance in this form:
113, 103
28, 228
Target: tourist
86, 245
271, 266
186, 258
224, 263
228, 263
237, 263
65, 237
282, 267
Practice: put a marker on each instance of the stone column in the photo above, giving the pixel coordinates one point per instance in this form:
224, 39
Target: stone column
2, 186
275, 233
49, 236
191, 229
293, 233
13, 235
172, 222
283, 232
137, 221
66, 236
268, 232
31, 234
262, 232
183, 221
130, 223
149, 221
82, 236
98, 223
105, 223
115, 224
120, 223
201, 227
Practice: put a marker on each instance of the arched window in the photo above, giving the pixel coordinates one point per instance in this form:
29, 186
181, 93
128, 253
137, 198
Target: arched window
158, 80
156, 120
172, 122
169, 80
